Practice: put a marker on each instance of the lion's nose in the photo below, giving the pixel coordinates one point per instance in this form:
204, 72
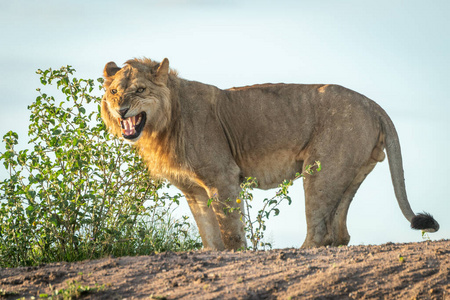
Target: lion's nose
123, 112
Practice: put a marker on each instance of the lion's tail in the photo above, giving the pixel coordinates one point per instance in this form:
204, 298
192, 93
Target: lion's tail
422, 221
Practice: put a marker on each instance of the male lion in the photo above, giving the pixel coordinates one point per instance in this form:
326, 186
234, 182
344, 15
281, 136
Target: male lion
205, 141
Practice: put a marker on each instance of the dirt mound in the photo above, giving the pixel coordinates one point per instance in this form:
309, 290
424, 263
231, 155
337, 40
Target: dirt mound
393, 271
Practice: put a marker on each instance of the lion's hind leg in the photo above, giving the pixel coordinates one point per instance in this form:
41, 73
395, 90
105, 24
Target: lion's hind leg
339, 224
328, 195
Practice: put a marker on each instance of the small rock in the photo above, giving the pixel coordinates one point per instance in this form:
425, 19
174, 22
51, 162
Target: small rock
213, 276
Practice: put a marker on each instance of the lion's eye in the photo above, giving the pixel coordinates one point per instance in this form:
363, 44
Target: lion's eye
140, 90
113, 91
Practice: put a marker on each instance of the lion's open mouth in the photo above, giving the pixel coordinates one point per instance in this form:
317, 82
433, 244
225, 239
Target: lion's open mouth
132, 126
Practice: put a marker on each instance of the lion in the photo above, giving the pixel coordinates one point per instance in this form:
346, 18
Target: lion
206, 141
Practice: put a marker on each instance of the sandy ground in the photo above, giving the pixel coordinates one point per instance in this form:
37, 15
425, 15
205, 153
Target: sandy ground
390, 271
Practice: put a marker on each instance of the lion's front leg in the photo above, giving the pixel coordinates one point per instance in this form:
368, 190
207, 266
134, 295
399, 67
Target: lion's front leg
229, 219
205, 218
219, 227
221, 184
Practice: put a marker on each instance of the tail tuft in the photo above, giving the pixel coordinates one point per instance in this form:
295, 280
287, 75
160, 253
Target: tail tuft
424, 222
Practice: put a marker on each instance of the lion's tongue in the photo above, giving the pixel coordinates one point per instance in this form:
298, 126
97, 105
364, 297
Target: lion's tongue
128, 126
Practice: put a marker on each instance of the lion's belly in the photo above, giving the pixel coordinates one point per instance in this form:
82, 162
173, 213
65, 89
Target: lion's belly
270, 170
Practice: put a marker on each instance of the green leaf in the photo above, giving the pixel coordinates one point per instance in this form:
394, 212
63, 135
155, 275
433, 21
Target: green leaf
272, 202
319, 166
7, 155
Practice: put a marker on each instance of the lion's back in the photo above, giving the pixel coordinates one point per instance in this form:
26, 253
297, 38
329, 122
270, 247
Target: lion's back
268, 126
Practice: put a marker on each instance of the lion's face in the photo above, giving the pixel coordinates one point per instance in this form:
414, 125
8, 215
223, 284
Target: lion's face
136, 98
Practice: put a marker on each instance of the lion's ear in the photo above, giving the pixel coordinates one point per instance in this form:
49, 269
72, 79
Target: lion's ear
162, 74
110, 69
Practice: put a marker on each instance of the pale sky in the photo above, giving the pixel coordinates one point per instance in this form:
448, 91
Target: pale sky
394, 52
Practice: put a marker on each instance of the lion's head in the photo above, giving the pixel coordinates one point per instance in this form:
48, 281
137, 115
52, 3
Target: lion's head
136, 98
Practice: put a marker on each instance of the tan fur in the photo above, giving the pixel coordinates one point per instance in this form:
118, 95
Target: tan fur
206, 141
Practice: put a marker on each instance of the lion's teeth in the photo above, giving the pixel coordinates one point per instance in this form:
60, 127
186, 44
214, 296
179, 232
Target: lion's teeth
128, 124
128, 128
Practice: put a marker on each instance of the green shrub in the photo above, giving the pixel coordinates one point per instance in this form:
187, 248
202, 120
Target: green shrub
78, 193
